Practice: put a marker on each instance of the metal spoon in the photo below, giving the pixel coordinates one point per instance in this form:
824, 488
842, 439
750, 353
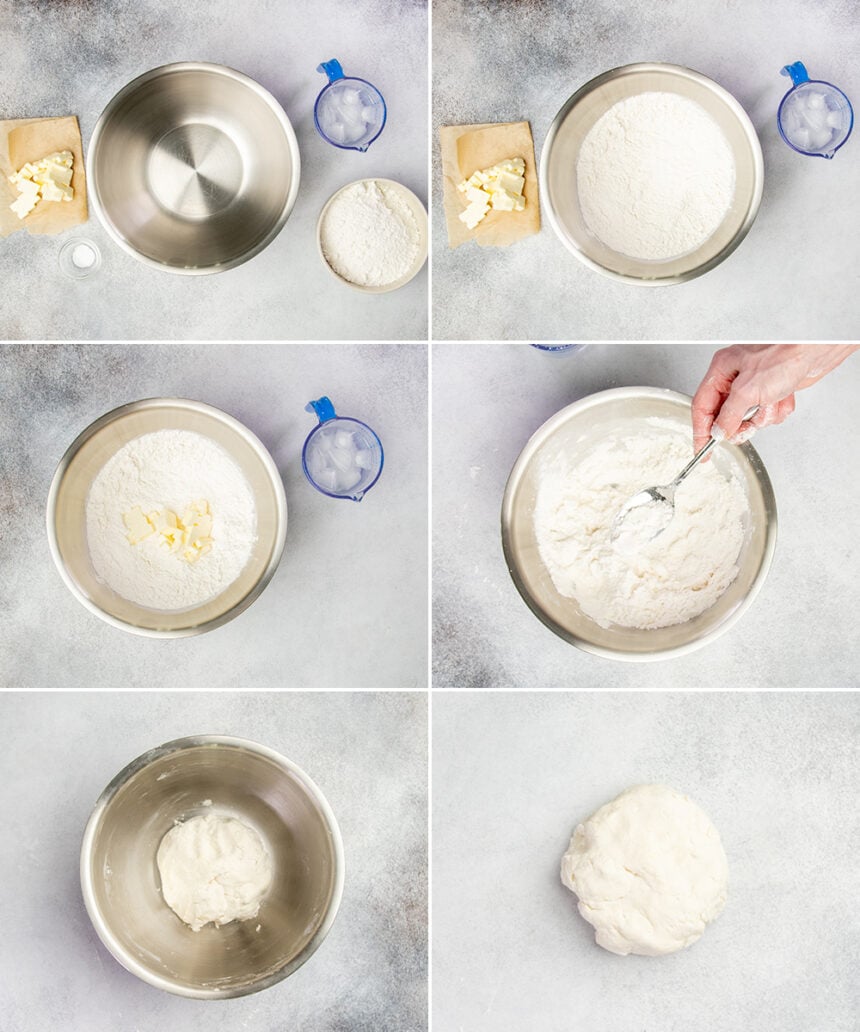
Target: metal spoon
665, 493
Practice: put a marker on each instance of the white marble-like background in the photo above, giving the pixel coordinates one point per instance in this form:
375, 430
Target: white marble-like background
72, 57
801, 630
368, 755
347, 607
513, 774
796, 276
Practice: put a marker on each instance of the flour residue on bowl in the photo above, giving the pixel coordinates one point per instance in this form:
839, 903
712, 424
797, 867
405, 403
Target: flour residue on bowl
145, 484
655, 176
646, 583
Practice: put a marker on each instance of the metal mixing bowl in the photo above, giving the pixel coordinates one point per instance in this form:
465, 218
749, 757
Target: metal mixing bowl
67, 525
572, 124
193, 168
575, 431
121, 885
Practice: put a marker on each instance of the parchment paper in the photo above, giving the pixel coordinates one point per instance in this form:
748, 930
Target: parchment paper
28, 139
467, 148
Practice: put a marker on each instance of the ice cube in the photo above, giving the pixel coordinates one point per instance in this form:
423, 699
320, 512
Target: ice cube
336, 132
348, 479
369, 115
342, 459
364, 458
800, 138
820, 138
327, 479
835, 120
814, 101
343, 439
350, 97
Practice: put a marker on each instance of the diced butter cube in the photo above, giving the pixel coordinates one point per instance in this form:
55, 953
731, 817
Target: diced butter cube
138, 525
503, 201
510, 182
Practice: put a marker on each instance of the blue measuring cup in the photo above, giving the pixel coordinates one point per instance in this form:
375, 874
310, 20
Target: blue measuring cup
349, 113
342, 457
815, 117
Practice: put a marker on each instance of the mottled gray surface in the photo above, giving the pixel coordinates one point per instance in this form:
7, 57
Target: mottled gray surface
347, 607
514, 774
70, 58
488, 399
366, 752
794, 277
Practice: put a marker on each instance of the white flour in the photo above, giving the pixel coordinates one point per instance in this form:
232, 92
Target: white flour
668, 580
369, 234
167, 470
655, 176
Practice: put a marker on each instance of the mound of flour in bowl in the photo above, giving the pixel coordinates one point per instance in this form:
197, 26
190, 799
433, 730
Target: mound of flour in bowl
668, 580
160, 471
369, 234
655, 176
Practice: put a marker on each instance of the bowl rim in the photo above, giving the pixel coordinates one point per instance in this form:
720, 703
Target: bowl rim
683, 72
102, 928
421, 258
211, 68
539, 437
119, 413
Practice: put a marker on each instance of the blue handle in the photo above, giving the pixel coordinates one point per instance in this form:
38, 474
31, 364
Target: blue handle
332, 69
797, 71
323, 408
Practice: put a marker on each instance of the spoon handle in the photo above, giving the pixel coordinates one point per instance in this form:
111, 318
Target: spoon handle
702, 452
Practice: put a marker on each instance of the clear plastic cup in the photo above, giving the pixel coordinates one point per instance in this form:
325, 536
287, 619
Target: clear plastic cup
349, 113
815, 118
342, 457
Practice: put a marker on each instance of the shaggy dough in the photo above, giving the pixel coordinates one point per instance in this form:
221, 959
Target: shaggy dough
649, 870
213, 869
635, 581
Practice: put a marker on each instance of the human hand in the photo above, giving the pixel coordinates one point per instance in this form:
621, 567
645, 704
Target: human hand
744, 375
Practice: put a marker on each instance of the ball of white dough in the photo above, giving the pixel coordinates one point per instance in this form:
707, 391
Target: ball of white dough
213, 869
649, 870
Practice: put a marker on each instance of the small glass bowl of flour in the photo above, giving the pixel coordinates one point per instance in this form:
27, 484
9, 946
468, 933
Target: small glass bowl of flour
635, 599
166, 517
372, 235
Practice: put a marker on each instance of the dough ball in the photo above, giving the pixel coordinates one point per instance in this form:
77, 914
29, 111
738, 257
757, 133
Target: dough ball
213, 869
649, 870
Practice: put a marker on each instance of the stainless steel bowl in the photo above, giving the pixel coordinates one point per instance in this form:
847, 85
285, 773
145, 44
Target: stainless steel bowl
193, 168
572, 124
576, 430
67, 525
121, 886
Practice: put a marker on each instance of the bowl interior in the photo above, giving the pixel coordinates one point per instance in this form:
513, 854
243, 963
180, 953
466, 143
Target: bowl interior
139, 927
194, 167
575, 121
70, 525
577, 429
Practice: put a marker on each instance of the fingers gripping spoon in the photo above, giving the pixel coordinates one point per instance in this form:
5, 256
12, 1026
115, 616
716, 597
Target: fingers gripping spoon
659, 500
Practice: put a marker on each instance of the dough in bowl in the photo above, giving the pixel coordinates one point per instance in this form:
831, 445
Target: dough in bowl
649, 870
214, 869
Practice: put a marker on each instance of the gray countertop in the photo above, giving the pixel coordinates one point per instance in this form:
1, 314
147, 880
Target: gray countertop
513, 774
488, 399
72, 58
347, 607
367, 753
797, 274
